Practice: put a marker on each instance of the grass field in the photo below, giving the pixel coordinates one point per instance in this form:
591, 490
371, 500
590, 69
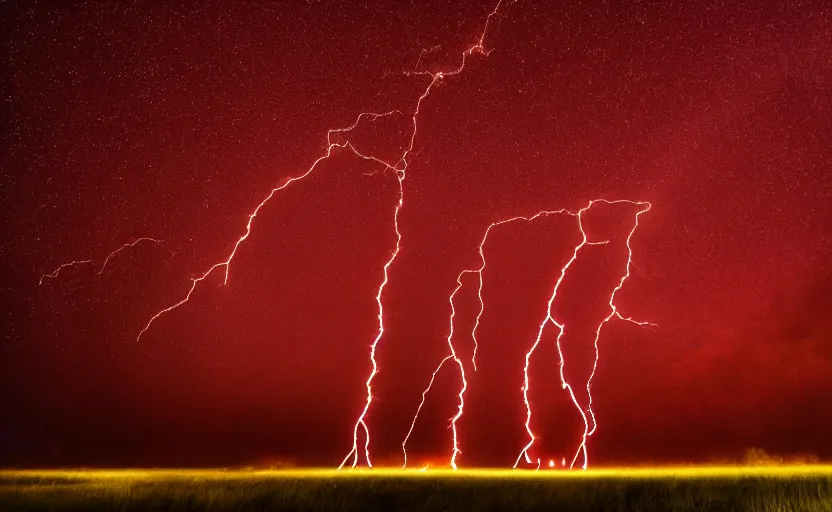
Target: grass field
797, 488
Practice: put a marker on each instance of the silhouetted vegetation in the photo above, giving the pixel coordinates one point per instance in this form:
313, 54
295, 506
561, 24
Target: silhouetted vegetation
742, 492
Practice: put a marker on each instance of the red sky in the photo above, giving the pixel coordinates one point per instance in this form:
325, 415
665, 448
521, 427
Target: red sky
174, 123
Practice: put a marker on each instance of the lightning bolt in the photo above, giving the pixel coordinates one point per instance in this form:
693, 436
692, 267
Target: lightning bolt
587, 414
422, 403
450, 336
225, 264
127, 246
57, 271
435, 77
54, 274
399, 168
614, 312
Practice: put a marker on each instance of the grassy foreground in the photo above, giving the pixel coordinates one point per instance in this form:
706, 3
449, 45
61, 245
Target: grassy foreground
799, 488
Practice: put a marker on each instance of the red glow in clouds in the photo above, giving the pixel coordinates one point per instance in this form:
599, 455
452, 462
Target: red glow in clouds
399, 168
359, 261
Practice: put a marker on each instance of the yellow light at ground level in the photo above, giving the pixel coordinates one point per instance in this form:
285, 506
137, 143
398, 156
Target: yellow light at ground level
612, 472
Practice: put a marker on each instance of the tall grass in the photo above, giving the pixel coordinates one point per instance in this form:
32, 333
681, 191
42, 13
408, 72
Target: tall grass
232, 491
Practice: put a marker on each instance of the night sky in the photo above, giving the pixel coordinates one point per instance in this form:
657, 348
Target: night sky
126, 121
